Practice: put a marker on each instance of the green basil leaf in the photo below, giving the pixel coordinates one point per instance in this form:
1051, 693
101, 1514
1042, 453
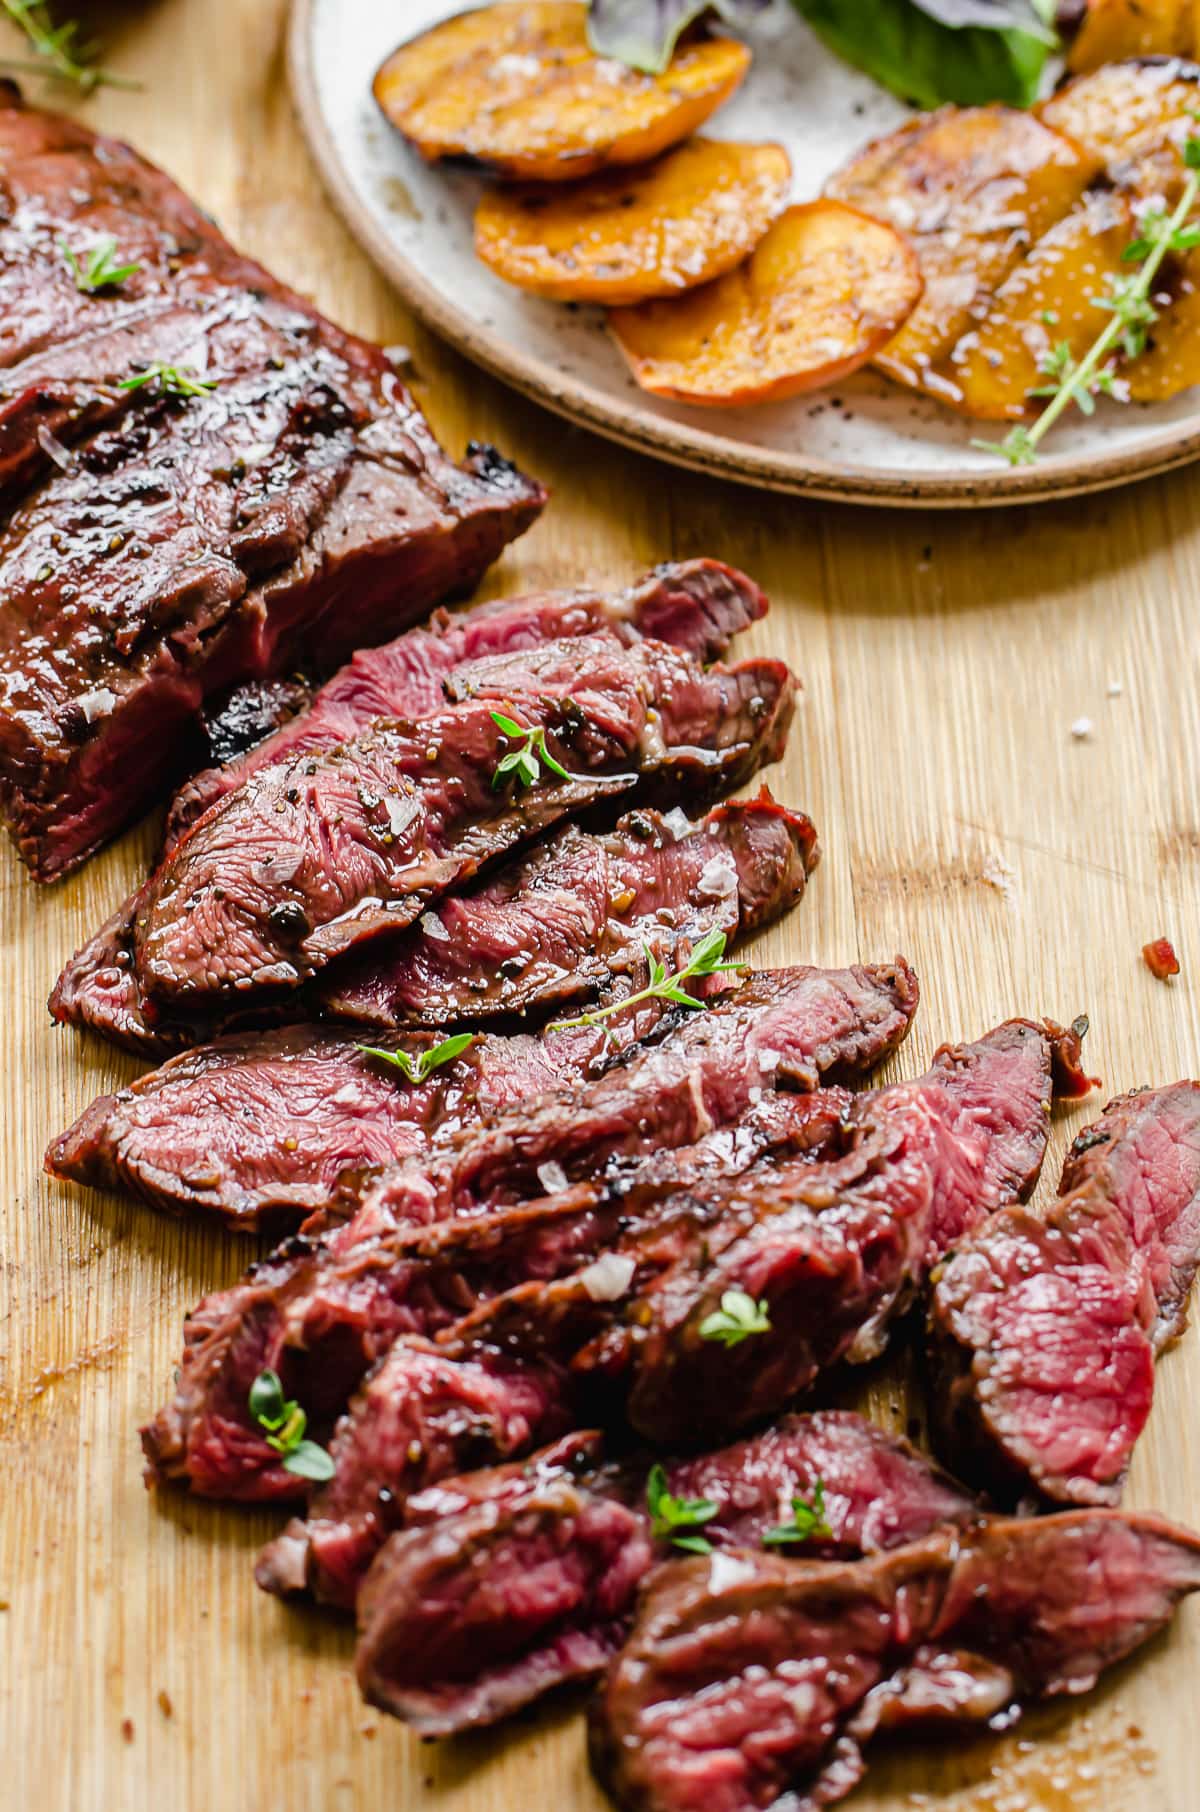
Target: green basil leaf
308, 1461
931, 51
266, 1400
643, 33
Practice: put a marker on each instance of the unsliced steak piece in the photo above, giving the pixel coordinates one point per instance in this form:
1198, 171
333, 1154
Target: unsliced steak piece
552, 925
697, 605
313, 857
320, 1312
507, 1583
751, 1681
165, 545
832, 1251
1044, 1326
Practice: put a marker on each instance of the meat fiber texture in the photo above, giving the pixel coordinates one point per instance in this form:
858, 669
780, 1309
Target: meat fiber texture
1044, 1327
698, 605
161, 546
315, 856
751, 1681
621, 1338
320, 1107
833, 1251
323, 1309
509, 1582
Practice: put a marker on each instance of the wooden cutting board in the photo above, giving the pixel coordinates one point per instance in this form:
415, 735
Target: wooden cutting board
1020, 868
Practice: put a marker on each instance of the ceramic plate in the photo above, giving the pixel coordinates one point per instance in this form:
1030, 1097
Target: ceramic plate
865, 440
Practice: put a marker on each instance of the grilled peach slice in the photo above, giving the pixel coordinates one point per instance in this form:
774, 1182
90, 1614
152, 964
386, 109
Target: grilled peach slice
973, 188
1135, 116
821, 293
1171, 361
1043, 304
518, 87
626, 236
1114, 29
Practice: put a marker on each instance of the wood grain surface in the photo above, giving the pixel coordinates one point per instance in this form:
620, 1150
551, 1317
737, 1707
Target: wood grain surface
945, 660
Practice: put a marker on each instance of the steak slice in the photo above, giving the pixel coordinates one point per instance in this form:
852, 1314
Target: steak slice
1044, 1326
439, 1273
832, 1252
751, 1681
697, 605
509, 1582
313, 857
163, 546
553, 925
322, 1310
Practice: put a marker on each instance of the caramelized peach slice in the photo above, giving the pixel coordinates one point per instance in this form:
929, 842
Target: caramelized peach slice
1044, 303
1134, 116
973, 188
1114, 29
518, 87
1171, 361
823, 291
626, 236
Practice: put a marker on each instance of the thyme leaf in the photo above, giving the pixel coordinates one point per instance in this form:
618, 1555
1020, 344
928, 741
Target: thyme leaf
675, 1519
738, 1317
525, 762
58, 49
97, 268
808, 1521
285, 1424
419, 1068
170, 380
705, 959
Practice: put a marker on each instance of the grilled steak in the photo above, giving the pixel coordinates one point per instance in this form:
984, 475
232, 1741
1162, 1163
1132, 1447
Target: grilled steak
551, 925
555, 926
315, 856
697, 605
166, 540
507, 1583
1045, 1325
832, 1251
322, 1311
751, 1681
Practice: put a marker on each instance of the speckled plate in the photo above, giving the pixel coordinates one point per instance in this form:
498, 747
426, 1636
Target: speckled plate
865, 441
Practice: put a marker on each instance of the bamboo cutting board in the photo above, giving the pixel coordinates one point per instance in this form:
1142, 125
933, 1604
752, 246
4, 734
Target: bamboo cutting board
1021, 869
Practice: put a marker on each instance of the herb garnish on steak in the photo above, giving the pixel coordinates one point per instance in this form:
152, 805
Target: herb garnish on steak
812, 1659
172, 545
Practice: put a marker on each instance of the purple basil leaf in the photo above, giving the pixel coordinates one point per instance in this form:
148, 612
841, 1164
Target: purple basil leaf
643, 33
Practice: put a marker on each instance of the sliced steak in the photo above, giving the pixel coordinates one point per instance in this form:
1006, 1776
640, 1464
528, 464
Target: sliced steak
322, 1310
697, 605
831, 1251
751, 1681
1045, 1325
163, 546
507, 1583
314, 857
553, 925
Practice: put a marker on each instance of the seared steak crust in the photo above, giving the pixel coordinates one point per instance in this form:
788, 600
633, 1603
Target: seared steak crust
161, 546
452, 1636
1045, 1325
810, 1660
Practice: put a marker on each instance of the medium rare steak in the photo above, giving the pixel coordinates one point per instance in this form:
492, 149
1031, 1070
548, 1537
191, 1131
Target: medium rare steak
165, 542
507, 1583
321, 1311
830, 1252
1045, 1325
314, 856
553, 924
751, 1681
697, 605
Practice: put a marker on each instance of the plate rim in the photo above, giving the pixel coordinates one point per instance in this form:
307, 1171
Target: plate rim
693, 448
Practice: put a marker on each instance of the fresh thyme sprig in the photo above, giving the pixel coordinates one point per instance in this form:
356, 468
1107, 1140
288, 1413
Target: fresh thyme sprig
59, 49
286, 1423
808, 1521
738, 1317
525, 762
170, 380
704, 960
97, 268
1131, 312
419, 1068
675, 1519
